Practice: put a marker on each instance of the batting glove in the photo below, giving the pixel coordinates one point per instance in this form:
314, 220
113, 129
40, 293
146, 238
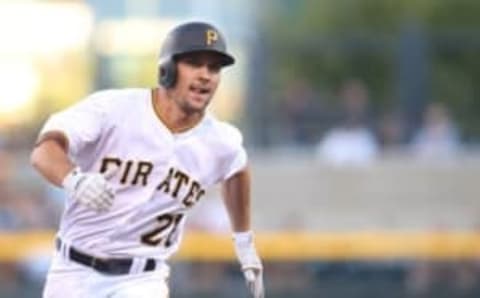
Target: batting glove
91, 189
250, 262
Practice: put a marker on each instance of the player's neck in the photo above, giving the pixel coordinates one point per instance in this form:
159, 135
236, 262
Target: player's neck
171, 115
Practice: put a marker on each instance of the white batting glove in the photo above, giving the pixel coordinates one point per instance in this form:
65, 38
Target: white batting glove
91, 189
251, 265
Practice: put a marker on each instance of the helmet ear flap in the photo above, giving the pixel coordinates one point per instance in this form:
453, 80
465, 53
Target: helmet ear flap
167, 74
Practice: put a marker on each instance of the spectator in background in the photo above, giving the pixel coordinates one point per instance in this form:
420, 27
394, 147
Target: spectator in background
391, 132
2, 142
302, 110
8, 218
438, 137
20, 209
351, 141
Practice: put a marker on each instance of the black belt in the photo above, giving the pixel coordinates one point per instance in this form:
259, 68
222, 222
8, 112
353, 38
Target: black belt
115, 266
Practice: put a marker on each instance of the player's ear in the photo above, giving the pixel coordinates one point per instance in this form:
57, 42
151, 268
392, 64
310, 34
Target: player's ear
167, 74
160, 73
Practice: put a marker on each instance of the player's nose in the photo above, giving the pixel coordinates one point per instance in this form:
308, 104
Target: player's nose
204, 72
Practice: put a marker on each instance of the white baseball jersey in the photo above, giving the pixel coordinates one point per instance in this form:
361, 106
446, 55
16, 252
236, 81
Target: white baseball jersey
160, 175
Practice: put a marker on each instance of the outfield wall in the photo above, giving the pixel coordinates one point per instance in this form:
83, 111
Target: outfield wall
292, 191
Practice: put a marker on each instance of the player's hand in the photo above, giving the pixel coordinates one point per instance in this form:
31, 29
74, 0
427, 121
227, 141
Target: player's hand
251, 265
91, 189
254, 280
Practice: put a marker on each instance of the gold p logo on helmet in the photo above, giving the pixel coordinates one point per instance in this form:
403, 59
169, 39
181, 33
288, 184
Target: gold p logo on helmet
211, 36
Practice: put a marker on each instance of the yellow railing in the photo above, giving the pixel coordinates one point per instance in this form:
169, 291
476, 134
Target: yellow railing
374, 245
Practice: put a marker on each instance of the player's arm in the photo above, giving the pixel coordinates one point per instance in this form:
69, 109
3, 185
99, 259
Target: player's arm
236, 194
50, 158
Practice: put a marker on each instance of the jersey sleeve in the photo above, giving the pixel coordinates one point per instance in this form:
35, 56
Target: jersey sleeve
82, 123
237, 158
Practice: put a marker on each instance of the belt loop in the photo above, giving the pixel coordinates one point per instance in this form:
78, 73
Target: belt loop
137, 265
63, 248
60, 247
66, 248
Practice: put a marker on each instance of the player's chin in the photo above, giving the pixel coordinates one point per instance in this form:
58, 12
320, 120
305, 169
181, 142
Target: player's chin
199, 103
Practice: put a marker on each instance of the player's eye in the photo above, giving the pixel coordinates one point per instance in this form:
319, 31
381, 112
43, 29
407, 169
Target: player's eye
214, 67
193, 61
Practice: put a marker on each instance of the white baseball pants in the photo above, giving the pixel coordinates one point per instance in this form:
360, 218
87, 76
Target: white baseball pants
69, 279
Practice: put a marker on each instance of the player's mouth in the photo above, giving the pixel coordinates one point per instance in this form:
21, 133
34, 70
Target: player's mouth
200, 91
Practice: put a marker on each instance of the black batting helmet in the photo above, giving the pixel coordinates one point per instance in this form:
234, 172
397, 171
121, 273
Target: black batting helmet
188, 38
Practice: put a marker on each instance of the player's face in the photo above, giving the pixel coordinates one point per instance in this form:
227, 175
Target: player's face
198, 75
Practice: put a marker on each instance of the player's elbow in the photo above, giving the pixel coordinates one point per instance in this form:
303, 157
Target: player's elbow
36, 156
43, 153
48, 147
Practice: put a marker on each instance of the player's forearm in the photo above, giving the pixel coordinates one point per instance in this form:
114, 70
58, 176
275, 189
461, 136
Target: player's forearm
51, 161
236, 193
237, 198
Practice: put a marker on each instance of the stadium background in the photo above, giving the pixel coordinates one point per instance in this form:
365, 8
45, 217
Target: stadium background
391, 212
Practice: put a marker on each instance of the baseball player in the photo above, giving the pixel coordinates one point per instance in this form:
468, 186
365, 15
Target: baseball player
133, 162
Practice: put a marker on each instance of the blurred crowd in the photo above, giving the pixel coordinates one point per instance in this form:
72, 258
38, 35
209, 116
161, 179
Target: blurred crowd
24, 203
346, 128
